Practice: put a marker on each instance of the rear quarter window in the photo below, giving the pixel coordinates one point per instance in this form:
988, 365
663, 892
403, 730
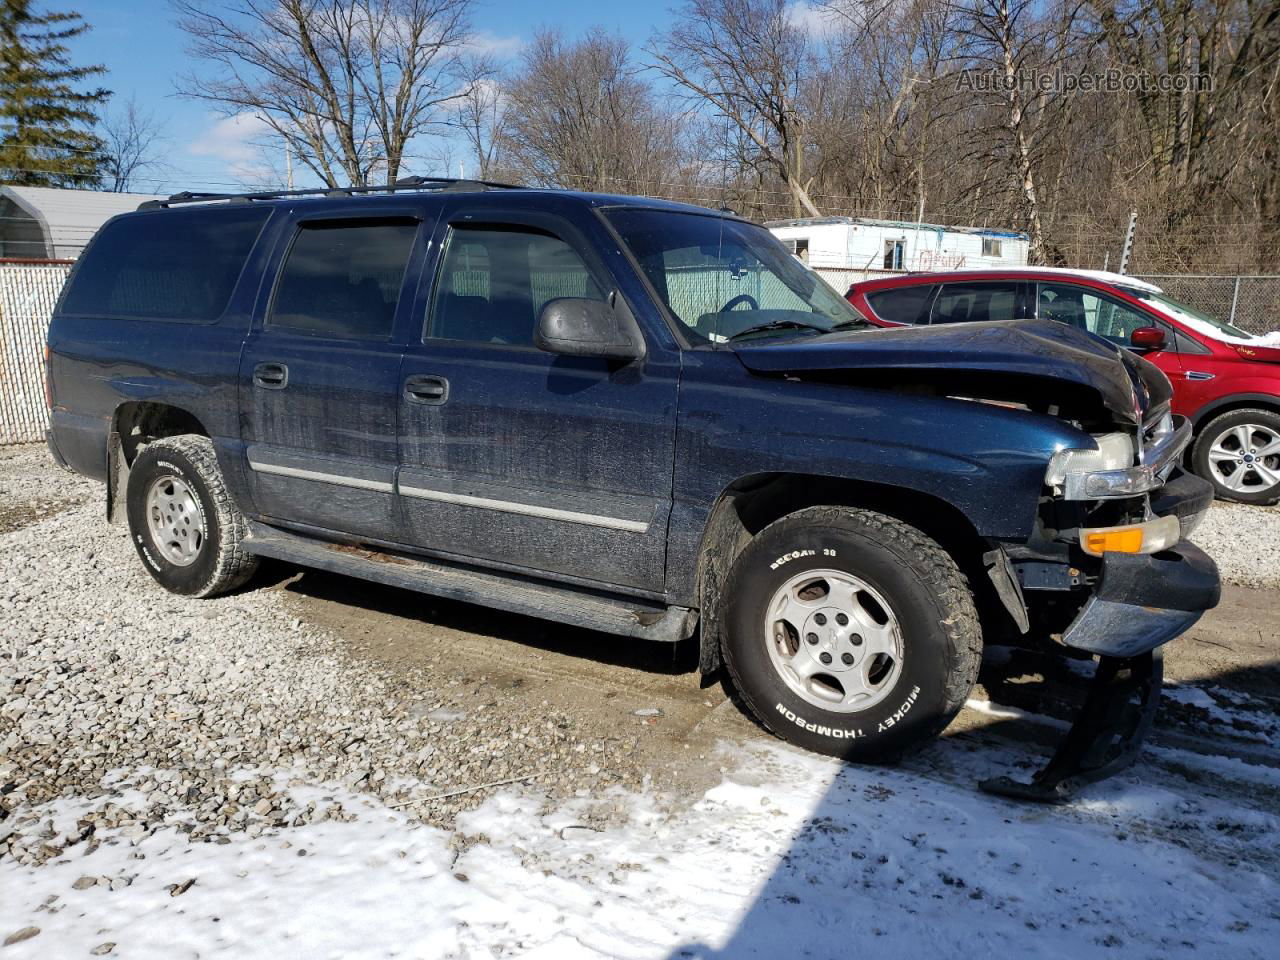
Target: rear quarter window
168, 265
901, 304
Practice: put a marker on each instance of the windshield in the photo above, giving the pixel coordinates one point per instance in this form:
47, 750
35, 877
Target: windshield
723, 279
1192, 317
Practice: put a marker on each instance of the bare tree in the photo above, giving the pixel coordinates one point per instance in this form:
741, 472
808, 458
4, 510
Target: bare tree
1209, 145
746, 60
878, 118
132, 142
346, 84
1003, 47
577, 115
479, 115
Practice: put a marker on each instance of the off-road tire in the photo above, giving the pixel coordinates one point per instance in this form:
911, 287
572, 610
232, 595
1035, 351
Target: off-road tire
930, 597
1209, 435
222, 563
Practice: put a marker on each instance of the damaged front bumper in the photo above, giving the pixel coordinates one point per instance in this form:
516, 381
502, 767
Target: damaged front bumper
1138, 603
1141, 602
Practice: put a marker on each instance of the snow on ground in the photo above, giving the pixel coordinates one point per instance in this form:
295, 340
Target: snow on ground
791, 855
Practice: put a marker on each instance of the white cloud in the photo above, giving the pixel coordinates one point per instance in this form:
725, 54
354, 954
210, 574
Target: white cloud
234, 142
494, 44
809, 19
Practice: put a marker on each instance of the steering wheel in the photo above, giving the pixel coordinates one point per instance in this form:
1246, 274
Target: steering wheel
740, 298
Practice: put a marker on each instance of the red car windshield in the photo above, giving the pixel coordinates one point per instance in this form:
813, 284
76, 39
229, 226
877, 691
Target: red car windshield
1193, 318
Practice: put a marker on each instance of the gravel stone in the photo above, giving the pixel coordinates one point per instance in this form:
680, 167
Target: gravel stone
26, 933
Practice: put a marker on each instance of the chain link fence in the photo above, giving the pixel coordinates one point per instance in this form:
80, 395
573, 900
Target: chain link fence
1250, 303
28, 293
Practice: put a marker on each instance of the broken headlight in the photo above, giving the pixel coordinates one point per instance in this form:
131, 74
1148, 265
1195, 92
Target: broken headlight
1109, 472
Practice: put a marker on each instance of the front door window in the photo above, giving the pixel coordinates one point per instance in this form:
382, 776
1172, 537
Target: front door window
1090, 310
494, 283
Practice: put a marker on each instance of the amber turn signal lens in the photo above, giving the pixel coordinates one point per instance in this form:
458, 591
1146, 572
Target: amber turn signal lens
1127, 540
1150, 537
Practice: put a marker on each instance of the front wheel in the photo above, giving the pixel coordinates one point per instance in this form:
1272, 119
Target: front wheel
850, 633
182, 521
1239, 453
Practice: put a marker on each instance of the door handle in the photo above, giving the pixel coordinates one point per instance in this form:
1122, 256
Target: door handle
271, 376
426, 389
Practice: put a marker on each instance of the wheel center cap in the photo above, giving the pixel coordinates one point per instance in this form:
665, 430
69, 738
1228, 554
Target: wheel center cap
839, 647
1248, 458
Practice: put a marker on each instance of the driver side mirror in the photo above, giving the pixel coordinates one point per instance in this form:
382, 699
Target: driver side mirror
1147, 338
581, 327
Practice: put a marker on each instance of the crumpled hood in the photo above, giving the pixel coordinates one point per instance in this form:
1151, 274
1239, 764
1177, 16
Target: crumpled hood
1021, 352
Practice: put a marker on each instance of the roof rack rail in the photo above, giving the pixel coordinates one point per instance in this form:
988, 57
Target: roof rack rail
441, 184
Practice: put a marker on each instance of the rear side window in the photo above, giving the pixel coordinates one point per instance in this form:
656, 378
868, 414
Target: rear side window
901, 304
343, 280
168, 265
976, 302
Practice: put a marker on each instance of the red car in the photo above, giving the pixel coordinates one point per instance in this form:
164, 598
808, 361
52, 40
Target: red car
1226, 381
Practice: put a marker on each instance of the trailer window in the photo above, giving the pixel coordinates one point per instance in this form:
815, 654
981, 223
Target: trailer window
799, 248
894, 254
991, 247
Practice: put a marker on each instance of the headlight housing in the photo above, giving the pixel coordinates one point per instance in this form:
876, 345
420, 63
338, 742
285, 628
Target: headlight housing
1109, 472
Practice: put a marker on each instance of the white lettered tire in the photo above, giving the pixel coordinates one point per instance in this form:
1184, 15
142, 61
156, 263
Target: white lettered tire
850, 633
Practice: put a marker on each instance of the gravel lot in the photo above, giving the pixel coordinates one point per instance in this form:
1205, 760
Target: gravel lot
302, 697
1245, 541
192, 708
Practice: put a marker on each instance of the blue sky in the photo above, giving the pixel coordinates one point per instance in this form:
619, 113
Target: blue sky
144, 52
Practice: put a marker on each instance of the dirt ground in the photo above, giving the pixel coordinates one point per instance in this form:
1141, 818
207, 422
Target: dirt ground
601, 681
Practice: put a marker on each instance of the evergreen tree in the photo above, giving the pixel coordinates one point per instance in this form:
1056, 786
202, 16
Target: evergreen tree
46, 120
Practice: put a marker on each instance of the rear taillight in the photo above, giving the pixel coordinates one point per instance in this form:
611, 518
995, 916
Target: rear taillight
48, 378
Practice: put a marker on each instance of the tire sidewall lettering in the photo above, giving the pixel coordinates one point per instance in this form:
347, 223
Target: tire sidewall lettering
823, 729
802, 553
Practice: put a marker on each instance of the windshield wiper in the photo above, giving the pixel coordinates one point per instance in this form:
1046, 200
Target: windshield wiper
850, 324
778, 325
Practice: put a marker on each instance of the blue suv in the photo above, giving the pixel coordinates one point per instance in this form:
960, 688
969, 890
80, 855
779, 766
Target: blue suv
641, 417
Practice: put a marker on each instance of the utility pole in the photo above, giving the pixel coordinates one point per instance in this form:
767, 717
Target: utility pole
288, 167
1128, 241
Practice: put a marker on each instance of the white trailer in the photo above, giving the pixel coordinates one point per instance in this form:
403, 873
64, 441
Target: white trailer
858, 243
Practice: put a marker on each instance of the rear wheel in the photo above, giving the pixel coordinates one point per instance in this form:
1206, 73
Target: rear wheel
184, 526
850, 633
1239, 453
